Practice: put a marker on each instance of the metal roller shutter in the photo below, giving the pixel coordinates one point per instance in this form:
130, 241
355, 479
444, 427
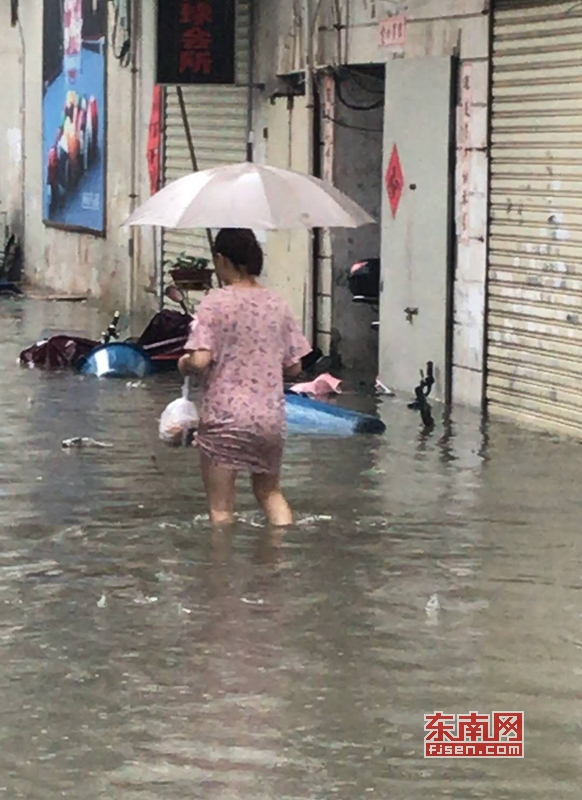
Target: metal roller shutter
218, 123
535, 264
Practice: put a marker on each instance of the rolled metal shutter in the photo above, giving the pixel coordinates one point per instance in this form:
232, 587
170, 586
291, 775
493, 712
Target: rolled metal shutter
535, 261
218, 118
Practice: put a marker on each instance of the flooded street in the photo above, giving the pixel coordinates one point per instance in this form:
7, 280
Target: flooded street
145, 658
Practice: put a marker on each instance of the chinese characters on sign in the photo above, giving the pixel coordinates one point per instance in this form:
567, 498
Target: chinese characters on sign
466, 104
196, 38
465, 197
196, 42
474, 735
393, 31
328, 128
466, 113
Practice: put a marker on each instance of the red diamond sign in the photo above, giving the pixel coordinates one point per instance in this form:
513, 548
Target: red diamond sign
394, 181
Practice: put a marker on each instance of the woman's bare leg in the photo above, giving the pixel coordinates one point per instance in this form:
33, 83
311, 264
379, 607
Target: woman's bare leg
271, 499
220, 484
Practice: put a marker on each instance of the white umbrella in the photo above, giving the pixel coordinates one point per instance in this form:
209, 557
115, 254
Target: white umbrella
250, 196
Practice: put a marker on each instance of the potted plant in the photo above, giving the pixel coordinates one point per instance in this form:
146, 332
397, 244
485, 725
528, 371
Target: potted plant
190, 273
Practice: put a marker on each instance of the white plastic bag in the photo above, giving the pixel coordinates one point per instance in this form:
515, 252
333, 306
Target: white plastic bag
179, 419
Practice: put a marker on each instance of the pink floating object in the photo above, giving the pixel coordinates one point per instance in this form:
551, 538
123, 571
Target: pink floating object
322, 385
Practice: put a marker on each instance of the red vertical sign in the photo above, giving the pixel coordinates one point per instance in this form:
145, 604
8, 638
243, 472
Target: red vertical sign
154, 140
466, 152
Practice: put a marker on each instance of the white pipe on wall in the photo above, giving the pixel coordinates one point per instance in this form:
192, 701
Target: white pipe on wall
251, 83
135, 65
307, 30
23, 100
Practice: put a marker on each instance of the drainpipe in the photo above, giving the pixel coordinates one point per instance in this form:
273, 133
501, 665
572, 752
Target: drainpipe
317, 234
134, 241
250, 85
23, 145
307, 22
158, 232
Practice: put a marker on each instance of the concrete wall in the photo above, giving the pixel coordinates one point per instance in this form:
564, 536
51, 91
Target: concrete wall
434, 28
288, 255
280, 139
11, 128
64, 262
78, 263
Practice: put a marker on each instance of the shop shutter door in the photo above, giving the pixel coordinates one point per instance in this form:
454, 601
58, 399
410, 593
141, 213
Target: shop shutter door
218, 122
535, 265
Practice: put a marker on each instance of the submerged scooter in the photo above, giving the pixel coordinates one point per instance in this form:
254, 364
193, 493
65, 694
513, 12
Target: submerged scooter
157, 349
114, 359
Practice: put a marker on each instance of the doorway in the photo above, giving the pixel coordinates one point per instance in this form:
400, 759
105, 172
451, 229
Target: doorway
357, 168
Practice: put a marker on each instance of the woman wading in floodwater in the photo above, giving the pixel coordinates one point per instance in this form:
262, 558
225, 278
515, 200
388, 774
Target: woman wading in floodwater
243, 340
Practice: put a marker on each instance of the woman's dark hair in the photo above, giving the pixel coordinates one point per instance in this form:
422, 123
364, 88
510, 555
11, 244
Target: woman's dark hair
240, 246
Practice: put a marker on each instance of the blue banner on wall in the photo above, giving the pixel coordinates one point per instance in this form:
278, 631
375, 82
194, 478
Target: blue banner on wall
74, 108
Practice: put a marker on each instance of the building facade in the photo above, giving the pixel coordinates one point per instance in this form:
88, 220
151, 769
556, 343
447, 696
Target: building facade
409, 106
377, 95
112, 264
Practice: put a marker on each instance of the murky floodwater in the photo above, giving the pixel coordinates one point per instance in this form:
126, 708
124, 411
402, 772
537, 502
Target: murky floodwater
143, 657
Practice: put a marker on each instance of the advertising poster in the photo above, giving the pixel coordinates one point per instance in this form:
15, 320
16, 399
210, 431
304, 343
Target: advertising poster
74, 110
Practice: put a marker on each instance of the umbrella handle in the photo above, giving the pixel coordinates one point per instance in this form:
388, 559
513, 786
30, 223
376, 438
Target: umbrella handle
186, 388
185, 396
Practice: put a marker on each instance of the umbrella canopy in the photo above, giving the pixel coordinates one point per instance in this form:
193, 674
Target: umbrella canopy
250, 196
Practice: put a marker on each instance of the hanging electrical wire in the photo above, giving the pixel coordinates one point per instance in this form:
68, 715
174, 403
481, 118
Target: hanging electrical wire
357, 78
351, 127
354, 106
122, 32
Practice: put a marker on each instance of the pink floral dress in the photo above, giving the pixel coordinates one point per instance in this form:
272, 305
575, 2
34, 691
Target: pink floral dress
252, 336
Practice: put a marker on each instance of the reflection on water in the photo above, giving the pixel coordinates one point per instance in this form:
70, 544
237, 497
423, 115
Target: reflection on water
145, 657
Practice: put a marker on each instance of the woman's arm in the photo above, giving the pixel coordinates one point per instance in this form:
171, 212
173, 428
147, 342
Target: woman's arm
293, 371
197, 361
201, 347
295, 346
